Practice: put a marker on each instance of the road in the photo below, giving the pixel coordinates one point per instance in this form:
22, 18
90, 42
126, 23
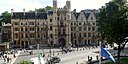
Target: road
66, 58
81, 56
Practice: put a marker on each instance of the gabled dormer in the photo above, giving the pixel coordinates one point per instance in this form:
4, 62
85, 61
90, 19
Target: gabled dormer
81, 17
73, 17
92, 17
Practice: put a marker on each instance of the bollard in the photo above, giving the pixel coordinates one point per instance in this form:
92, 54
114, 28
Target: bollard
53, 54
58, 54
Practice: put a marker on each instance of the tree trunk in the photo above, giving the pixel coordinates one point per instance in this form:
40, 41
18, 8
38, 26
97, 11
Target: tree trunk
118, 54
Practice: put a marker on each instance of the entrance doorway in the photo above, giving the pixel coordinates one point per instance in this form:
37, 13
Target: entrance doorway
22, 44
62, 42
26, 44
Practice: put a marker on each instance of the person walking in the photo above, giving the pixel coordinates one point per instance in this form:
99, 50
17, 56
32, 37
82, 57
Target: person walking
97, 57
88, 58
4, 60
5, 56
14, 56
0, 56
8, 60
91, 59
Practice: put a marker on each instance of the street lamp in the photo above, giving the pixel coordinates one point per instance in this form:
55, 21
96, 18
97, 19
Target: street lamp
77, 35
12, 43
47, 39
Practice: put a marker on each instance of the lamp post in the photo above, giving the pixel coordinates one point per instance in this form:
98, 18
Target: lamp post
77, 35
12, 45
47, 39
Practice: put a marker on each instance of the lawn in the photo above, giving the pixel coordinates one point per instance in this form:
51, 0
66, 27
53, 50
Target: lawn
123, 61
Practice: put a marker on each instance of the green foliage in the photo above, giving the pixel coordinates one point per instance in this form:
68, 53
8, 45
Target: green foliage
113, 21
6, 17
122, 61
31, 11
42, 9
48, 8
24, 62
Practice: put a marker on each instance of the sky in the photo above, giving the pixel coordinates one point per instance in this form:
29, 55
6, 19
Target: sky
19, 5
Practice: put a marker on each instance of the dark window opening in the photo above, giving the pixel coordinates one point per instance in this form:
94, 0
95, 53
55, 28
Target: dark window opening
50, 20
21, 28
58, 18
84, 34
50, 27
91, 18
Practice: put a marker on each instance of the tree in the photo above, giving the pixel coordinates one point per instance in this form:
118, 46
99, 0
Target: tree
6, 17
48, 8
113, 23
24, 62
42, 9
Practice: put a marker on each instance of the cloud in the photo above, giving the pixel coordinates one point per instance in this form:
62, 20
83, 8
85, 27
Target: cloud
87, 4
18, 5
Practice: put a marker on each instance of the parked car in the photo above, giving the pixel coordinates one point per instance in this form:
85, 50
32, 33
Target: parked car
80, 44
65, 50
69, 49
55, 60
115, 48
30, 47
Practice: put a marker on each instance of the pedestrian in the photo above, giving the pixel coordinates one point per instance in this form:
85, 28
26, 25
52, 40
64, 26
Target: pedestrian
91, 59
97, 57
77, 62
30, 52
14, 56
4, 60
8, 60
41, 54
27, 51
88, 58
0, 56
114, 54
101, 58
5, 56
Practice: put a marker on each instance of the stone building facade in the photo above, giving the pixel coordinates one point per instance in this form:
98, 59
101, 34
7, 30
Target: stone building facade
60, 27
6, 32
83, 27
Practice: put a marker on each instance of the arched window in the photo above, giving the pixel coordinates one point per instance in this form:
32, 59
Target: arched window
50, 27
14, 42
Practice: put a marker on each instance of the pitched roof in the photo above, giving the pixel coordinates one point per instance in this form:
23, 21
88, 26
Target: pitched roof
50, 12
86, 13
29, 15
76, 15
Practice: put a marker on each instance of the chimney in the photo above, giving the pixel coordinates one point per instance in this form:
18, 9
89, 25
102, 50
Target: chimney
24, 11
11, 12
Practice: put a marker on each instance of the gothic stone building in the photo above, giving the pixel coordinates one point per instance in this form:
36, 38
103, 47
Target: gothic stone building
61, 27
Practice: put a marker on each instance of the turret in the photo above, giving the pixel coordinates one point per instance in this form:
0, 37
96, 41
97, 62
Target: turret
24, 11
11, 12
54, 5
68, 5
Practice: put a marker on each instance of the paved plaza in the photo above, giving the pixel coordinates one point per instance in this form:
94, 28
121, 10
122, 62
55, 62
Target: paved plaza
79, 55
